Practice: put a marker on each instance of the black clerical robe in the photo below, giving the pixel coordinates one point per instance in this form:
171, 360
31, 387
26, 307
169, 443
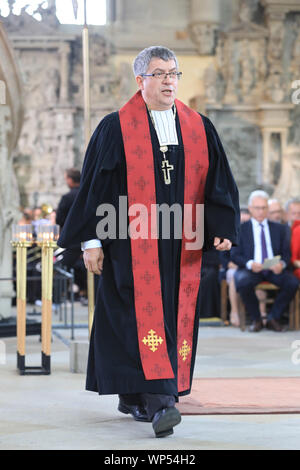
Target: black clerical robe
114, 364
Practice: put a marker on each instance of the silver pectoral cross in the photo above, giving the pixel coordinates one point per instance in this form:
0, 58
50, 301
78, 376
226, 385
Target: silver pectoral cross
166, 168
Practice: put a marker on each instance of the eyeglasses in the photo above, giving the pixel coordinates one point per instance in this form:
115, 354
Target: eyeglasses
163, 75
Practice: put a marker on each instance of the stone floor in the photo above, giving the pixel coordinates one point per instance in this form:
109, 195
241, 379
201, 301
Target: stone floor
55, 412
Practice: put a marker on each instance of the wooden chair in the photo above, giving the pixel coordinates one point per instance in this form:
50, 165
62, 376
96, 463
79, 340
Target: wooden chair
266, 286
224, 300
294, 307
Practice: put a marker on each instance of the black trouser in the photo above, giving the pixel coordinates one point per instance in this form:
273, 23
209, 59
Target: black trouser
246, 280
151, 402
72, 258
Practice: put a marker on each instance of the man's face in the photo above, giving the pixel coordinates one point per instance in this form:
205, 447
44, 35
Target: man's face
293, 212
68, 181
244, 217
275, 212
259, 209
37, 214
159, 94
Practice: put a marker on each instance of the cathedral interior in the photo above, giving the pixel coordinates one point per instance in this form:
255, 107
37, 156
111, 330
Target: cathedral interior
240, 61
240, 64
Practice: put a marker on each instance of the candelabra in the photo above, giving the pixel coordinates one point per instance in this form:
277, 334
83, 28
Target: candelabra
22, 238
47, 235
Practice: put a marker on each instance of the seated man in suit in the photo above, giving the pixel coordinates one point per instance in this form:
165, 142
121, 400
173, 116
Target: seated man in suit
261, 239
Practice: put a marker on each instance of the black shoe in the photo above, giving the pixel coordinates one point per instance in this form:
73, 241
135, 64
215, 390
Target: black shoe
274, 325
137, 411
164, 420
256, 326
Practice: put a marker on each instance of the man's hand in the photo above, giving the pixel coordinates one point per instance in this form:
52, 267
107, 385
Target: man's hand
277, 268
232, 265
256, 267
222, 244
93, 260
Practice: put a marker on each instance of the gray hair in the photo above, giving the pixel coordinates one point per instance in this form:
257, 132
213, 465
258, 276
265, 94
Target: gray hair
294, 200
142, 60
272, 201
257, 193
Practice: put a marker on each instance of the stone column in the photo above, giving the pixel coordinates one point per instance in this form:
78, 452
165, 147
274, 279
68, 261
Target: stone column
2, 92
64, 51
111, 12
266, 134
6, 217
205, 10
204, 21
119, 8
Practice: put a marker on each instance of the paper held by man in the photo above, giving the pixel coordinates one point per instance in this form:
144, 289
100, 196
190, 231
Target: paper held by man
270, 262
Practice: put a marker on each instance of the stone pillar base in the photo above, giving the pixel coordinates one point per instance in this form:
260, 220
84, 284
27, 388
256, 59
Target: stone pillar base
79, 356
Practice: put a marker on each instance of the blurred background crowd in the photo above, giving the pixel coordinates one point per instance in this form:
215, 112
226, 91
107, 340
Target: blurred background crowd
216, 267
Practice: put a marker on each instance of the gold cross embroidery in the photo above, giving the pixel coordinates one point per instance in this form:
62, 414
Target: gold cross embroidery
185, 350
152, 340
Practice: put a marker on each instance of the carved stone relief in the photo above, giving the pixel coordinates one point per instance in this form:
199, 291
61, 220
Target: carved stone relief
11, 113
256, 65
257, 57
52, 135
203, 34
204, 24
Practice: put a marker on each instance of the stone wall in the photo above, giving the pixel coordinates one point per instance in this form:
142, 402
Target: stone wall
238, 57
10, 124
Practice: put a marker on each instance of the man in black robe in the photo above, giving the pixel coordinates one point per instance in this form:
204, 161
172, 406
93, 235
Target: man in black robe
115, 363
72, 179
72, 257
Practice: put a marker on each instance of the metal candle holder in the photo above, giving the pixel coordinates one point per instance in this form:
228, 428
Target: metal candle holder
47, 235
21, 240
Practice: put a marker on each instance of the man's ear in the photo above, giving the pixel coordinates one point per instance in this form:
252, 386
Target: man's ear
140, 82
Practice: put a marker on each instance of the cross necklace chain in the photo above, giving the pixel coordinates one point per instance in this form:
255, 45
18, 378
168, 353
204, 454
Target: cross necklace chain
165, 164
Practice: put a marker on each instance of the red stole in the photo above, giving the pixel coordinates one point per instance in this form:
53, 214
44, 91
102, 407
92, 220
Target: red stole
147, 286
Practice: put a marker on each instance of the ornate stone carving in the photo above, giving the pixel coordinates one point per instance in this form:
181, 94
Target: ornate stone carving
48, 14
210, 80
204, 36
256, 58
204, 23
52, 87
288, 184
241, 58
51, 64
295, 62
256, 66
275, 89
10, 122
